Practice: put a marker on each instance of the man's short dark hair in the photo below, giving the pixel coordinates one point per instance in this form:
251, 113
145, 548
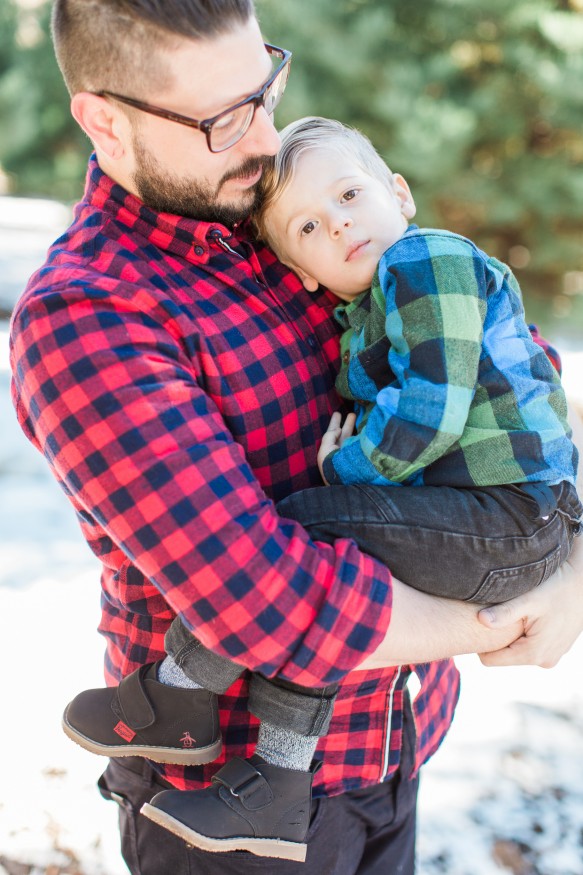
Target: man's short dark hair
111, 45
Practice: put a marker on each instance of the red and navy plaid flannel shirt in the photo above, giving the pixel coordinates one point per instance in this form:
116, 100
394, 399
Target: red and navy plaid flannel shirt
178, 382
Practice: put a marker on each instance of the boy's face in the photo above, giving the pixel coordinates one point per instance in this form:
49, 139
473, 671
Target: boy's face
334, 221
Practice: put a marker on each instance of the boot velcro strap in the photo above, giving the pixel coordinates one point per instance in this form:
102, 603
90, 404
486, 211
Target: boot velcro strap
246, 783
136, 708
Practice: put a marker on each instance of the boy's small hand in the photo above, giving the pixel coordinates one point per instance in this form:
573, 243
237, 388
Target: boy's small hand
334, 437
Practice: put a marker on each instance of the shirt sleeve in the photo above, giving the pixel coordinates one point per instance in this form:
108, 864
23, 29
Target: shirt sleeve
109, 393
551, 353
433, 290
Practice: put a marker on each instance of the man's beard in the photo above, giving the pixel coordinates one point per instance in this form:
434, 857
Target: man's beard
190, 198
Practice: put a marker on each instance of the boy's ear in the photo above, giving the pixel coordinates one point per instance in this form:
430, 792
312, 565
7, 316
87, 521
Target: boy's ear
403, 192
310, 283
101, 121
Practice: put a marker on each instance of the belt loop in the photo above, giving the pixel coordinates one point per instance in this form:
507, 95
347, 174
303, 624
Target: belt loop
544, 496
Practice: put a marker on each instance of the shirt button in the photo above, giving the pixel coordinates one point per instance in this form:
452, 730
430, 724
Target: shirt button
346, 357
312, 342
198, 250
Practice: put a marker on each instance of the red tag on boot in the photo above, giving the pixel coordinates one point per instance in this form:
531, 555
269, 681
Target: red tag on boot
124, 731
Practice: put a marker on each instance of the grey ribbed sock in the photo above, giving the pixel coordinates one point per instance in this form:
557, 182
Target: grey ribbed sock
284, 748
171, 674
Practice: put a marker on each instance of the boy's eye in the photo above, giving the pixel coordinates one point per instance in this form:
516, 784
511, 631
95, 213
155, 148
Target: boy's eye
348, 195
308, 228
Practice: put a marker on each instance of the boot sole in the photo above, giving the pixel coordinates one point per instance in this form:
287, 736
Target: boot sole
260, 847
197, 757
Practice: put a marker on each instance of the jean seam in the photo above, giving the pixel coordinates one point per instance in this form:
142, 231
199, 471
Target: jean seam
384, 520
463, 535
185, 651
319, 718
548, 565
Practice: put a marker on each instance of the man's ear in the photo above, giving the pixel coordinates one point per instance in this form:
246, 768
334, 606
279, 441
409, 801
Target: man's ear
403, 192
103, 123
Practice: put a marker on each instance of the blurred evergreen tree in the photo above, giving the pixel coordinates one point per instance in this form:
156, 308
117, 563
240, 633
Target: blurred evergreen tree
478, 105
8, 24
42, 150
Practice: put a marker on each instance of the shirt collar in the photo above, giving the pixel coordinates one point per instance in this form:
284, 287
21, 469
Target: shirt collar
355, 313
188, 238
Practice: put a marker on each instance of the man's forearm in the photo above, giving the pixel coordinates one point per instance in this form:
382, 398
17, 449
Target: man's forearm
424, 628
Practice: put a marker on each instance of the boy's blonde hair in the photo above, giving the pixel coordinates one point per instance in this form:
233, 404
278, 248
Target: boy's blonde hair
304, 135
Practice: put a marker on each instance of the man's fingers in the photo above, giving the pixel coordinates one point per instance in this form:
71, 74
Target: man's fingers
506, 657
522, 652
499, 616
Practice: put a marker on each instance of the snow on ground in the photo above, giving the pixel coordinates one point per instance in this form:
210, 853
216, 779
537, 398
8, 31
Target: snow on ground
50, 812
27, 228
503, 795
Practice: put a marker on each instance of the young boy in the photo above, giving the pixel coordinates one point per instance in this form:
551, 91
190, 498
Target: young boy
462, 452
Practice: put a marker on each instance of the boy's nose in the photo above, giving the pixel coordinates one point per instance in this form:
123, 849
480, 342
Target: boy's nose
340, 224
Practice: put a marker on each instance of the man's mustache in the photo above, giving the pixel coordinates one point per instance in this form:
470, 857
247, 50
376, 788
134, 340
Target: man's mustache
249, 167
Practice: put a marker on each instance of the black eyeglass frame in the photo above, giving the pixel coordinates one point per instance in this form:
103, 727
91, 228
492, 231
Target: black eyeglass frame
206, 125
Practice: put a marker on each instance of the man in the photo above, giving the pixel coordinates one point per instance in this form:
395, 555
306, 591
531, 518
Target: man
178, 379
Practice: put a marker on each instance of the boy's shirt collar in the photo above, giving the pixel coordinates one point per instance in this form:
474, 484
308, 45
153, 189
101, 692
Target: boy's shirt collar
354, 314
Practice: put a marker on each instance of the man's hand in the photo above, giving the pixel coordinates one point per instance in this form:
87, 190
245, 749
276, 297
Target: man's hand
552, 617
334, 437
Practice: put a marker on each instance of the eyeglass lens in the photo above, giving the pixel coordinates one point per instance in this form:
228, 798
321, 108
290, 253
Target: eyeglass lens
229, 129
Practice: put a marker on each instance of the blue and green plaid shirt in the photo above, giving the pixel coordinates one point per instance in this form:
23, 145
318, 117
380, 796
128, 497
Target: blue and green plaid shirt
448, 384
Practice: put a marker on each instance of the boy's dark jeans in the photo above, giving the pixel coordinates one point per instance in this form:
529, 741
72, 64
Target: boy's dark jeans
483, 545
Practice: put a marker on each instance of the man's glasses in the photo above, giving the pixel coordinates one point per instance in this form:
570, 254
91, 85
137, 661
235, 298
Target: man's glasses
228, 127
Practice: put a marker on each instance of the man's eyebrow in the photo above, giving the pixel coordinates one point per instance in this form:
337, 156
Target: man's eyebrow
227, 103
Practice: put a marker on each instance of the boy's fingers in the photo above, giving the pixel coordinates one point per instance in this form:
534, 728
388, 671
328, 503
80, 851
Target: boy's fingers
330, 438
348, 427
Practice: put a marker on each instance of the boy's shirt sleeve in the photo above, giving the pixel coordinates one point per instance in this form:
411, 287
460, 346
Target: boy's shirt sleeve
430, 292
552, 353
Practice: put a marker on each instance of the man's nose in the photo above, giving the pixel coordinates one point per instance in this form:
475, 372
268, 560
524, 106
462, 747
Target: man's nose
262, 137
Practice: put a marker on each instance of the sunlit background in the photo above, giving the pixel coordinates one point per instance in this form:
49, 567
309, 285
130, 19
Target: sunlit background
480, 106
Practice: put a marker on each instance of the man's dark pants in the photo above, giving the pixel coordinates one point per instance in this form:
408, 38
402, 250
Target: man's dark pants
363, 832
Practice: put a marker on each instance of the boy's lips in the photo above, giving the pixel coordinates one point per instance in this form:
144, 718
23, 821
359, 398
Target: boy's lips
355, 248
